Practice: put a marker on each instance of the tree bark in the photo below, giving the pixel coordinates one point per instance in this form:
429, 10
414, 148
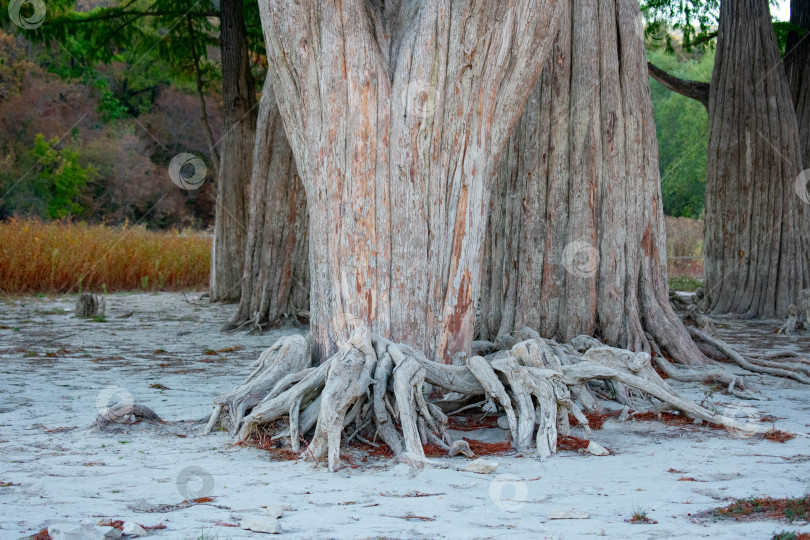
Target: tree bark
275, 283
396, 115
757, 251
797, 65
576, 239
239, 128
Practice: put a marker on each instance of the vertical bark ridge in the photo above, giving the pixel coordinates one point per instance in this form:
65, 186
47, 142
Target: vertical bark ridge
581, 170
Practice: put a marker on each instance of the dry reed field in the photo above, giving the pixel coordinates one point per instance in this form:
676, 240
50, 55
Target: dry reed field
67, 257
684, 247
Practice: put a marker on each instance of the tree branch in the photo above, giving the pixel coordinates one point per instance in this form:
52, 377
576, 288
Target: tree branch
118, 14
692, 89
703, 39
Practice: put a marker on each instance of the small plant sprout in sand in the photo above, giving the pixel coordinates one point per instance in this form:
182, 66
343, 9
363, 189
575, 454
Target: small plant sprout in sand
640, 517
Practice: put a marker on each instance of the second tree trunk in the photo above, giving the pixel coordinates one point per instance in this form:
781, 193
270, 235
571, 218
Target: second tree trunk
239, 119
576, 230
757, 248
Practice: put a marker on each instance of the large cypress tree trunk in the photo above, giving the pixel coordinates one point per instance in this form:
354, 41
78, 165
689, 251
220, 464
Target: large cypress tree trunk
797, 65
397, 123
275, 284
576, 239
757, 250
239, 128
396, 115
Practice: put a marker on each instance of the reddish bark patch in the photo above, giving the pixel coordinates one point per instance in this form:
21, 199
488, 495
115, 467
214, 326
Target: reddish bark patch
457, 327
572, 443
779, 436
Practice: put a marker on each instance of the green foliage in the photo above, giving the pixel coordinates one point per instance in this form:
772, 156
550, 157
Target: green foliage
694, 23
59, 179
694, 20
54, 182
109, 105
783, 31
684, 283
153, 43
682, 125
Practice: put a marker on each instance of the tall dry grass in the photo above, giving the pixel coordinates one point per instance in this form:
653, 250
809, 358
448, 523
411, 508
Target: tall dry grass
65, 257
684, 247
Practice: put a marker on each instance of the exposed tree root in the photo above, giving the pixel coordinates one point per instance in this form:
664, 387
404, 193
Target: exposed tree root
784, 370
789, 328
375, 389
701, 375
128, 414
282, 364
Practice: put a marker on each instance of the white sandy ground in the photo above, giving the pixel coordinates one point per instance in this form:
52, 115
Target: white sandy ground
61, 470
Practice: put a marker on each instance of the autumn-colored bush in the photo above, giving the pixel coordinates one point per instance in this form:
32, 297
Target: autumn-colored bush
66, 257
82, 143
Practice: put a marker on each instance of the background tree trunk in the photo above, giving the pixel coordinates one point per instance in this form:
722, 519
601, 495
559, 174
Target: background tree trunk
757, 256
276, 277
239, 128
797, 65
396, 115
576, 240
